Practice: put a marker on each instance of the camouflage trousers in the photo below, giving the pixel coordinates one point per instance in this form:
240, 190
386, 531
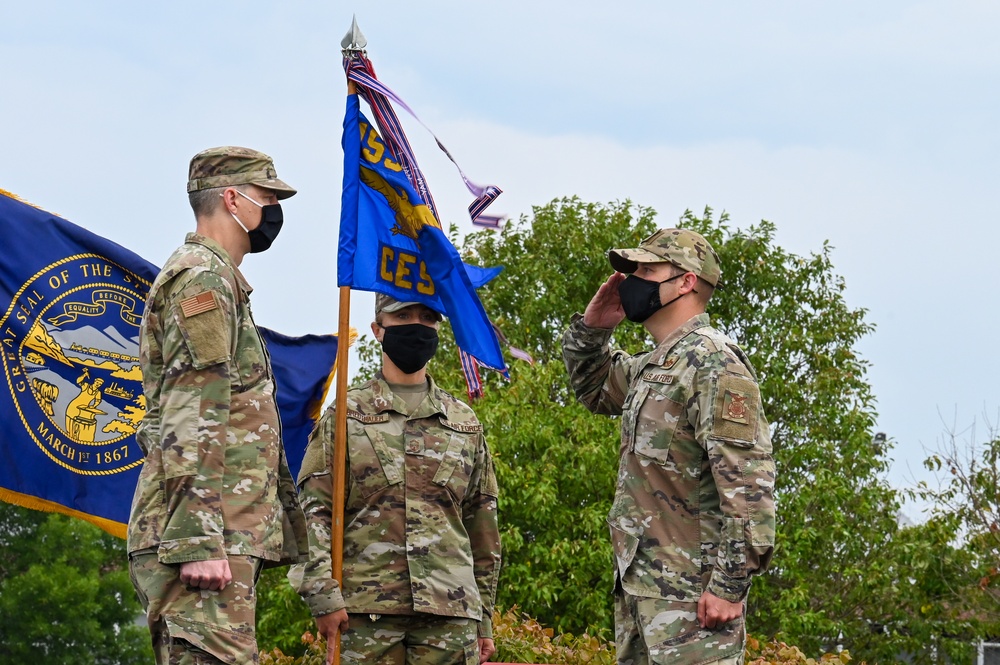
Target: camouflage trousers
413, 639
195, 626
656, 631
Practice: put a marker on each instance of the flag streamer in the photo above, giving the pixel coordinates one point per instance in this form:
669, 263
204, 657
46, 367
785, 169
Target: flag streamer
359, 69
390, 239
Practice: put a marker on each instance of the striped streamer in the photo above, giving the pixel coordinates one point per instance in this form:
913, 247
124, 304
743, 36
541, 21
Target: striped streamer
470, 368
359, 69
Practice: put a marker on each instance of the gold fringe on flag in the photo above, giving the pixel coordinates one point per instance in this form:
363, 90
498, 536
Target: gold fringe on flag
316, 408
116, 529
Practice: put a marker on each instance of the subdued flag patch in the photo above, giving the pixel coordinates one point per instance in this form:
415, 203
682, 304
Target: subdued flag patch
198, 304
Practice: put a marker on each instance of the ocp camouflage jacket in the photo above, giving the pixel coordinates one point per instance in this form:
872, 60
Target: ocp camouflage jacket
420, 532
215, 480
694, 504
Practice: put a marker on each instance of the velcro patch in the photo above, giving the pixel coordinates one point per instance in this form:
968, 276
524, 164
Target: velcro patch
736, 409
462, 427
368, 418
658, 377
208, 337
198, 304
670, 362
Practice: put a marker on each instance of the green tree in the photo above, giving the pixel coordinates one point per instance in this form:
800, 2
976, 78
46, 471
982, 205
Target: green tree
837, 570
65, 594
556, 463
965, 504
282, 617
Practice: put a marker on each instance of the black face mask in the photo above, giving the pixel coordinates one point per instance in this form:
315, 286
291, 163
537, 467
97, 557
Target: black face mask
641, 297
271, 220
410, 346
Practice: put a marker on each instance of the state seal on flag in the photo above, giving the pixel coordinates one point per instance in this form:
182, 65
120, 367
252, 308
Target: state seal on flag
71, 360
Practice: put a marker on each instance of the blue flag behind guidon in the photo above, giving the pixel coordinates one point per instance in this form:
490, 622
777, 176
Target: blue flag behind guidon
70, 307
391, 242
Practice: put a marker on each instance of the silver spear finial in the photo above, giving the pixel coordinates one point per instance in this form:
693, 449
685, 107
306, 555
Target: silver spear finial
354, 41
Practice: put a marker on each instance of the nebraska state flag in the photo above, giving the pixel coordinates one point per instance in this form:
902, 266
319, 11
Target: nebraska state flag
71, 399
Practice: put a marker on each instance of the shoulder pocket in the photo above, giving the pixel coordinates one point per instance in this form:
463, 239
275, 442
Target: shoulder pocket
206, 335
736, 410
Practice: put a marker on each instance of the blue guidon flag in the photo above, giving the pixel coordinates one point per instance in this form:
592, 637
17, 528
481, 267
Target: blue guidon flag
71, 304
391, 239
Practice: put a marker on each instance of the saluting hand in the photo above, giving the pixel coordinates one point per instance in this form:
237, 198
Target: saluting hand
605, 308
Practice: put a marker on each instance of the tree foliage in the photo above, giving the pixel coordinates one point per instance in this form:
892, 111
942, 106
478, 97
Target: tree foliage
65, 594
840, 564
556, 462
282, 617
966, 509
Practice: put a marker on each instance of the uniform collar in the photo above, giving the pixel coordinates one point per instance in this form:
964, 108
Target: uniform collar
218, 250
670, 341
431, 404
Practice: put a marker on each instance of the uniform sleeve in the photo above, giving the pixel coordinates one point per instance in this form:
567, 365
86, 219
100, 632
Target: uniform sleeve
313, 580
731, 426
479, 515
199, 320
599, 378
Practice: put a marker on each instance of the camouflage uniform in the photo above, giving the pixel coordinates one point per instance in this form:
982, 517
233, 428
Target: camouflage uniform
694, 508
215, 483
421, 543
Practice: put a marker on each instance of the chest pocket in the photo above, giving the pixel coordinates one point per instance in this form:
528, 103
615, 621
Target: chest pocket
656, 416
373, 465
455, 469
251, 355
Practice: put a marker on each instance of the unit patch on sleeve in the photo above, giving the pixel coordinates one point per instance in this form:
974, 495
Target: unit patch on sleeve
736, 406
203, 302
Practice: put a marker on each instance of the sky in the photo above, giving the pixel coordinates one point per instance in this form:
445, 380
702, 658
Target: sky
871, 126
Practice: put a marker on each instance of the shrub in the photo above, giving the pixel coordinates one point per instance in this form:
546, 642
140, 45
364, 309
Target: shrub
518, 638
779, 653
521, 639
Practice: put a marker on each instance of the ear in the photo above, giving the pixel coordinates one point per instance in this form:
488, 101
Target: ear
689, 283
229, 199
378, 331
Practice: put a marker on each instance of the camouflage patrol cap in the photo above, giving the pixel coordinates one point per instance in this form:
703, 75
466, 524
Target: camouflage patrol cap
229, 165
685, 249
384, 303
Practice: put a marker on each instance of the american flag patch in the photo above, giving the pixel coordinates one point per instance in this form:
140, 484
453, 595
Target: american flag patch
203, 302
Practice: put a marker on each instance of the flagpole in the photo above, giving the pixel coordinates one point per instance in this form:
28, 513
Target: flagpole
339, 462
352, 44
